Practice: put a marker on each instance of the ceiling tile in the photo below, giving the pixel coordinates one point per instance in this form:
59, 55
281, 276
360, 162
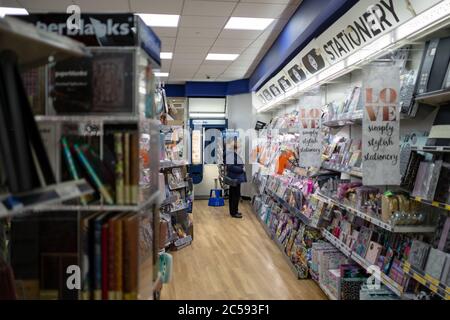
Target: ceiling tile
102, 5
240, 34
167, 47
211, 70
165, 65
46, 5
10, 4
202, 22
192, 55
233, 43
270, 1
208, 8
167, 42
157, 6
216, 64
198, 32
220, 49
201, 42
186, 64
165, 32
191, 49
251, 10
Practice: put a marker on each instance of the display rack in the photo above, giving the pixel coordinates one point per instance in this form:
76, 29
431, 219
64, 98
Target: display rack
279, 245
346, 127
139, 139
288, 207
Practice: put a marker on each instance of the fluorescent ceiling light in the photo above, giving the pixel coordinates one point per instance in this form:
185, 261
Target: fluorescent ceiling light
166, 55
239, 23
160, 20
16, 11
161, 74
222, 56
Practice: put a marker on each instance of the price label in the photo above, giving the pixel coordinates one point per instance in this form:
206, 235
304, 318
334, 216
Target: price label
433, 288
431, 279
3, 210
90, 128
419, 279
68, 191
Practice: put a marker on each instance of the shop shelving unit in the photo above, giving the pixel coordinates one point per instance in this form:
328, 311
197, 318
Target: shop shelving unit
374, 220
140, 117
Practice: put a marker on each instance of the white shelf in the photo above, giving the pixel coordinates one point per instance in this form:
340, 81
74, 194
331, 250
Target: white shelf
87, 118
34, 46
376, 221
163, 164
37, 199
103, 207
356, 172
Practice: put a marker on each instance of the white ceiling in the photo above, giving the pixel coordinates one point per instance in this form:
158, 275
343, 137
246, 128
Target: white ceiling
199, 32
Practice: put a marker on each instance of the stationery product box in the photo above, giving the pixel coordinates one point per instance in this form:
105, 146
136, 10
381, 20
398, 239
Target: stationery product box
435, 263
418, 254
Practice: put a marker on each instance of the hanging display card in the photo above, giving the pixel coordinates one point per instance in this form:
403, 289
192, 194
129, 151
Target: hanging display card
310, 147
381, 126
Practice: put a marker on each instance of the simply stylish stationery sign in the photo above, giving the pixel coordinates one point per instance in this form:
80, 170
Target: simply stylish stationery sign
310, 148
381, 126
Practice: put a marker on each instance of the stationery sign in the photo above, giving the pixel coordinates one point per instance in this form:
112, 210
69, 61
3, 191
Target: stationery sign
310, 148
381, 126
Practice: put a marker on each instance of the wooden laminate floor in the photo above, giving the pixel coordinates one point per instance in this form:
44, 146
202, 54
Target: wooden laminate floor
233, 259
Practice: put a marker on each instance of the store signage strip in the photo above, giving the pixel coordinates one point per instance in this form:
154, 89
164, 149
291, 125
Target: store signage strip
347, 39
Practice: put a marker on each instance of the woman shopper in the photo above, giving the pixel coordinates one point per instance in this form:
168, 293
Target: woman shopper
235, 176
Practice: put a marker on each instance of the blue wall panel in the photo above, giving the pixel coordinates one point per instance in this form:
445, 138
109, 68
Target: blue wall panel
207, 89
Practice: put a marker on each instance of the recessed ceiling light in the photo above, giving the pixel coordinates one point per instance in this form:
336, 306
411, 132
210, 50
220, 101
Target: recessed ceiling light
166, 55
239, 23
160, 20
17, 11
222, 56
161, 74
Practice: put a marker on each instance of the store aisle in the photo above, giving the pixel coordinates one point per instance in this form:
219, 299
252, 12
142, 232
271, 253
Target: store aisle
233, 259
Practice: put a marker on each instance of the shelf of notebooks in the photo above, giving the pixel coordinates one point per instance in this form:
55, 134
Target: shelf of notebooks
12, 205
19, 37
373, 219
347, 251
421, 277
435, 285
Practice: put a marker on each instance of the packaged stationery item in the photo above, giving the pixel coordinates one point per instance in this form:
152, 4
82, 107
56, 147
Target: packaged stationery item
435, 263
362, 243
418, 254
373, 252
427, 179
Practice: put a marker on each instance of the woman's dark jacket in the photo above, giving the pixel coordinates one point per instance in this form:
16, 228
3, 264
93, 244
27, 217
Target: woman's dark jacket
235, 167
